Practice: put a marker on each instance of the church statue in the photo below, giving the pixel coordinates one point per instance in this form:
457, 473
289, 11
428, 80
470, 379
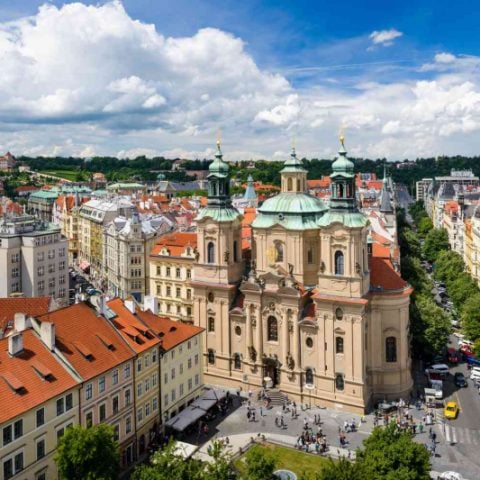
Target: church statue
358, 268
322, 267
290, 361
197, 255
226, 256
253, 353
290, 269
254, 266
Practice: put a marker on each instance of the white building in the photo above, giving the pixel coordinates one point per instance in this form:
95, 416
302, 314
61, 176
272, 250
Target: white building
33, 258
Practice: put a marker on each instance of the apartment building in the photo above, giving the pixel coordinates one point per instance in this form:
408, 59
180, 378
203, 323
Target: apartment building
93, 349
7, 162
127, 242
147, 370
40, 400
181, 367
40, 204
171, 263
33, 258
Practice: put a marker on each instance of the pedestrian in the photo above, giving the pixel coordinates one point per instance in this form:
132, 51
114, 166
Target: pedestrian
276, 421
434, 437
248, 414
315, 419
293, 413
261, 411
420, 427
253, 416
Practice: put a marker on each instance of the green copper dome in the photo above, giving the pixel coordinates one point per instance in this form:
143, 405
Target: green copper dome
342, 166
293, 164
218, 168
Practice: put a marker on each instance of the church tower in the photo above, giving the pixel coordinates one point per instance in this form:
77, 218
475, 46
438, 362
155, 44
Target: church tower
218, 267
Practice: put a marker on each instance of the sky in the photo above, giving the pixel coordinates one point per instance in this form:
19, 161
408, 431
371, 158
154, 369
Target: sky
156, 77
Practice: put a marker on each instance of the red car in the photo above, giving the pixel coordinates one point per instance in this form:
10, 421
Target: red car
466, 350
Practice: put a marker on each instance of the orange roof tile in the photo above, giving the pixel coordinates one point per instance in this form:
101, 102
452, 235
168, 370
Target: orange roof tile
77, 328
249, 215
379, 250
169, 332
20, 373
323, 182
383, 275
32, 306
375, 184
136, 333
175, 242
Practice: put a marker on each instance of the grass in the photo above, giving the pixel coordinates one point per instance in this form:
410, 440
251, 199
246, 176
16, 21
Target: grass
287, 458
68, 174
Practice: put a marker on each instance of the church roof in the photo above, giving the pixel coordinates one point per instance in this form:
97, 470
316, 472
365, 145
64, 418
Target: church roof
250, 190
293, 164
349, 219
220, 215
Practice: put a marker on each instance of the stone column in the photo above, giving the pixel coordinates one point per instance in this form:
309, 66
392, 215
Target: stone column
285, 339
248, 333
259, 336
296, 342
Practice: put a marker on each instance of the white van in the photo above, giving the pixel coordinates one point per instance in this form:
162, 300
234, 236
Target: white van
438, 367
475, 373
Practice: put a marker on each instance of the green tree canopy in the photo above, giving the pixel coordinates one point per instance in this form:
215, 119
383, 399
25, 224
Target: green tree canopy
424, 226
88, 454
391, 454
260, 465
435, 242
470, 316
448, 265
340, 469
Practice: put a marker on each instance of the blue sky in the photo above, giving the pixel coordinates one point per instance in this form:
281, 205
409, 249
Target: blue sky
401, 77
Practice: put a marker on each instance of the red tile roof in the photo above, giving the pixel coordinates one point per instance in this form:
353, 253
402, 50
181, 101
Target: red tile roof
175, 242
383, 276
32, 306
138, 335
22, 372
323, 182
170, 333
78, 328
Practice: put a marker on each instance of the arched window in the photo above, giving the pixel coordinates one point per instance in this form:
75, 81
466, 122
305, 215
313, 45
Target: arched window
310, 255
338, 345
391, 349
214, 189
289, 184
338, 263
340, 190
237, 362
211, 252
279, 247
309, 376
235, 251
272, 329
339, 313
211, 356
298, 185
339, 382
211, 324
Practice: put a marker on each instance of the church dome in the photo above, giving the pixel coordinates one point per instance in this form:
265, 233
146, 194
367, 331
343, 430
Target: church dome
293, 203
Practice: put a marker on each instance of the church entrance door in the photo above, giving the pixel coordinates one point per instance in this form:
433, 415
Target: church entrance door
270, 370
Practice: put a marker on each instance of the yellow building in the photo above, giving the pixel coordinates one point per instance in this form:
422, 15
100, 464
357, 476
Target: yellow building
40, 399
171, 262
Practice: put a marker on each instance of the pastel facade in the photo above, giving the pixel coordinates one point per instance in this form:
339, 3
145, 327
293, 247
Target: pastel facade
319, 317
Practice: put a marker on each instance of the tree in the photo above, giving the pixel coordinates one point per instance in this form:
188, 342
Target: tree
470, 316
88, 453
340, 469
424, 226
260, 465
391, 454
409, 243
435, 242
221, 466
448, 265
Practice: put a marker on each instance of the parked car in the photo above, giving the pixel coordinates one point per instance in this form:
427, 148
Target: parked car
451, 411
460, 380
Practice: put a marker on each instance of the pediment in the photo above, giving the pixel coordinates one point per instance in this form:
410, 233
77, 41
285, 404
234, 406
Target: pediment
339, 331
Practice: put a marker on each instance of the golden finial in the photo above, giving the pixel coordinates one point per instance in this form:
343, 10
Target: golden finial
342, 136
219, 138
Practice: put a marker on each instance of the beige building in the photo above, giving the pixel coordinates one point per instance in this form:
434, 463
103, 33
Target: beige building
319, 318
170, 263
33, 258
92, 349
40, 400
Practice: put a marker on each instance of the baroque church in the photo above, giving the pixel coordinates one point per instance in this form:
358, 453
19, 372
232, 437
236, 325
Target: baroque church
314, 314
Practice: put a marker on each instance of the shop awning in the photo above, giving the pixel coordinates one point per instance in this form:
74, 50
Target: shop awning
185, 418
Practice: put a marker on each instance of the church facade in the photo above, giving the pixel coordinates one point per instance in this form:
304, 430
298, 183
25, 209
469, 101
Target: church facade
315, 314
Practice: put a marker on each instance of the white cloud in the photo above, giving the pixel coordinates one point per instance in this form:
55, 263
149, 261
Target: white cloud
89, 79
385, 37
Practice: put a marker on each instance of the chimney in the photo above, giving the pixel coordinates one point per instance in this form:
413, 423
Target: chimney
15, 344
130, 304
47, 334
150, 303
20, 322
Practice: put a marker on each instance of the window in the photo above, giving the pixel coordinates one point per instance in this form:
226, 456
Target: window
235, 251
101, 384
15, 272
115, 405
237, 361
391, 349
139, 365
154, 379
211, 252
211, 324
88, 391
147, 409
279, 248
338, 263
339, 313
189, 273
309, 342
18, 429
41, 476
189, 384
178, 273
178, 292
40, 417
40, 449
139, 390
126, 371
154, 404
272, 329
181, 368
115, 377
8, 469
69, 402
60, 407
173, 395
189, 363
154, 356
127, 397
165, 399
196, 359
89, 419
165, 378
181, 389
116, 432
197, 379
128, 424
169, 291
173, 373
140, 414
289, 184
147, 384
18, 461
339, 382
41, 271
7, 435
102, 412
167, 270
211, 356
338, 344
159, 270
309, 376
309, 256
